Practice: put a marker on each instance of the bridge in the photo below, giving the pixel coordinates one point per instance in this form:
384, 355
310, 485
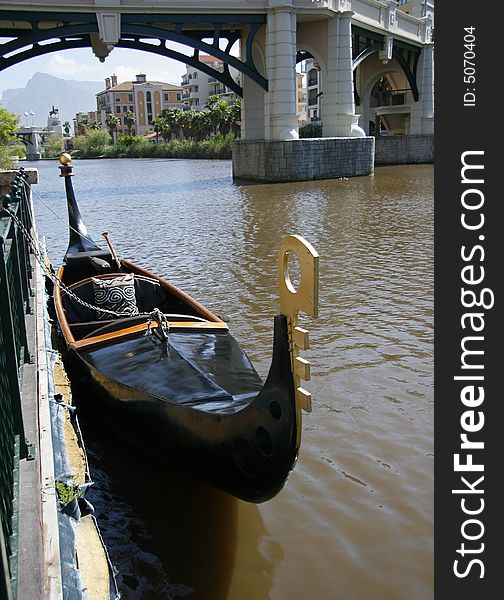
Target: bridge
355, 43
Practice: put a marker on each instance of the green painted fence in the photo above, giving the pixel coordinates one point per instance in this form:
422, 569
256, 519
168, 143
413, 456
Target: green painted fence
15, 303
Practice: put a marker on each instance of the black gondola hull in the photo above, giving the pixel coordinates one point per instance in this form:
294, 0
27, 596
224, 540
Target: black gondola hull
210, 414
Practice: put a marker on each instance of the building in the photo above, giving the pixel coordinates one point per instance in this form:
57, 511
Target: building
313, 90
145, 99
197, 86
84, 119
301, 98
387, 99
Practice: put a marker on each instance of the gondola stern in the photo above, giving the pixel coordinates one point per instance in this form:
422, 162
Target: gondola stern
277, 424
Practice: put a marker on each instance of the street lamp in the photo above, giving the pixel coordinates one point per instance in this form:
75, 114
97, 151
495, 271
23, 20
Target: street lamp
32, 114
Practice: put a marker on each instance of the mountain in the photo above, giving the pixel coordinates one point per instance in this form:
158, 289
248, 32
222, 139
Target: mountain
44, 91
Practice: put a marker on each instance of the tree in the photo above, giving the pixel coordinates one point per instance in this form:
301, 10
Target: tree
82, 125
186, 122
66, 127
129, 120
8, 126
218, 112
235, 117
112, 124
54, 146
201, 125
93, 144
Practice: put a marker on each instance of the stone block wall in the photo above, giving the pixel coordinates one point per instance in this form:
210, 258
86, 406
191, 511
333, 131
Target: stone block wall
302, 160
404, 149
7, 176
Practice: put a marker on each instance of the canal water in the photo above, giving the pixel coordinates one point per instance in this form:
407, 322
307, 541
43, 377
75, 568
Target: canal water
355, 520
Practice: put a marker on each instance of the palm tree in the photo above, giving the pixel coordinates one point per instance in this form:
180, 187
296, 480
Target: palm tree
201, 125
129, 120
66, 127
235, 117
218, 114
172, 116
112, 122
186, 122
82, 125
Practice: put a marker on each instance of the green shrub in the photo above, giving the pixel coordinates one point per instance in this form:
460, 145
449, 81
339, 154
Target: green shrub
54, 147
310, 130
6, 161
92, 144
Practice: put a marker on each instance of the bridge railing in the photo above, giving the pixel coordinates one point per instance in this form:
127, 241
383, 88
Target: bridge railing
15, 304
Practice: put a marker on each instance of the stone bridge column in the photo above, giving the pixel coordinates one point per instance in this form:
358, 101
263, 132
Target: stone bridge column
422, 112
281, 107
252, 105
338, 106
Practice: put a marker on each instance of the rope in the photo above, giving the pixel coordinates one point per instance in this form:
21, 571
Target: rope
155, 315
39, 197
163, 328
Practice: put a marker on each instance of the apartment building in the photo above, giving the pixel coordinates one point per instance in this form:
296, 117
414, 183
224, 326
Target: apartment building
145, 99
197, 86
313, 90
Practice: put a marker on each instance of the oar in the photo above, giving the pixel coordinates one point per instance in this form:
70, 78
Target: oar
114, 253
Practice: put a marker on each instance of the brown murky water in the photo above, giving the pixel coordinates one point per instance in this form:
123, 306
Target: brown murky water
355, 520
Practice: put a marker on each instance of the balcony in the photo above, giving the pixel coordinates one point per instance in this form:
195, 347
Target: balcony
389, 98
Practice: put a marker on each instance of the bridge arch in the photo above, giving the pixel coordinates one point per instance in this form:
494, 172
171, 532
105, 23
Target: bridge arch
367, 113
49, 33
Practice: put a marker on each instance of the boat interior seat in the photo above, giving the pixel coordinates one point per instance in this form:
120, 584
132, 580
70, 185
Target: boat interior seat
76, 258
148, 292
78, 264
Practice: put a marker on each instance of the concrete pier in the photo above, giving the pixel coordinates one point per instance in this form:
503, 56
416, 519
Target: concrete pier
301, 160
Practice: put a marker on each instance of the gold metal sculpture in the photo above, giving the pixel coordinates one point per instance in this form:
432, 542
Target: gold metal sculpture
292, 302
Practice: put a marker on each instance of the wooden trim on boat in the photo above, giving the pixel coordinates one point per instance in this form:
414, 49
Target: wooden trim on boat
65, 328
114, 335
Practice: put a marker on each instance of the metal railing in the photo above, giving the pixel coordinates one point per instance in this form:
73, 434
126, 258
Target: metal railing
15, 304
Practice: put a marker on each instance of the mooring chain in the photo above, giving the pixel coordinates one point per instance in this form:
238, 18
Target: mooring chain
38, 256
163, 329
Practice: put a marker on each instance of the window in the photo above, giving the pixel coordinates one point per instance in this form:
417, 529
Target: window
130, 97
125, 109
118, 109
166, 97
148, 97
178, 97
195, 75
118, 98
131, 108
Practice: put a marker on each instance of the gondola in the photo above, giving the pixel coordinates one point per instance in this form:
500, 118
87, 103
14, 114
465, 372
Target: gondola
169, 376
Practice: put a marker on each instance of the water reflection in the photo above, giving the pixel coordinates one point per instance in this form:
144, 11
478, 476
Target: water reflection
169, 535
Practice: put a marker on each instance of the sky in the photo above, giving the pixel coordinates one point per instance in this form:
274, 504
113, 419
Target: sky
82, 64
